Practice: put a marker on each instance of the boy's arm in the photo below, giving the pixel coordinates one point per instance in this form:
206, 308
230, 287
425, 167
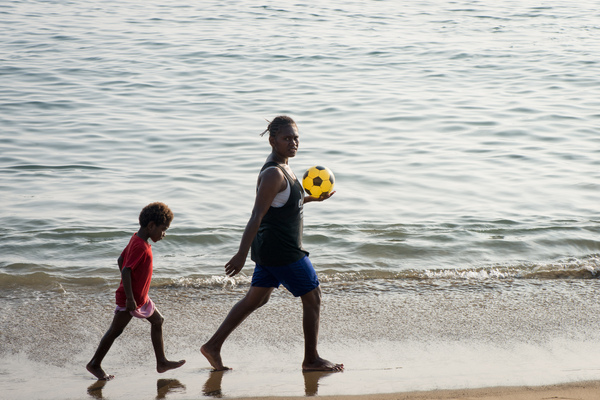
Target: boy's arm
120, 262
126, 278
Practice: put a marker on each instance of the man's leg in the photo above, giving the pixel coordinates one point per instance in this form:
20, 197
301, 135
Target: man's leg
311, 305
255, 298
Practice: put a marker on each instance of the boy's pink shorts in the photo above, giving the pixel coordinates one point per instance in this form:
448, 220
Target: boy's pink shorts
144, 311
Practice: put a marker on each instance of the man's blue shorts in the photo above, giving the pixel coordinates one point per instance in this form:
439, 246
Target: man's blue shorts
299, 277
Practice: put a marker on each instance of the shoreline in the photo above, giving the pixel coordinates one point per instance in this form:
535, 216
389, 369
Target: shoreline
394, 346
581, 390
585, 390
510, 351
250, 382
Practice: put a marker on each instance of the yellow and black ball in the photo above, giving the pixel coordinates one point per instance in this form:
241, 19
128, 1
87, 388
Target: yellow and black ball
318, 180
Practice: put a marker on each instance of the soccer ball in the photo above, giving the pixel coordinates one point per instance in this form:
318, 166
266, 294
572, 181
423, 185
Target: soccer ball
318, 180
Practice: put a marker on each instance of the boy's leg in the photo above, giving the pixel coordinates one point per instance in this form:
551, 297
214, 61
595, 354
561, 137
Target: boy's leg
255, 298
162, 364
311, 306
120, 321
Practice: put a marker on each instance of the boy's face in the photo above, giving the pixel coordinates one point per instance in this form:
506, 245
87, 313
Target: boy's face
157, 232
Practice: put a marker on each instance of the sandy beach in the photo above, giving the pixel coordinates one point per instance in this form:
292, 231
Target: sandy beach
175, 389
403, 360
572, 391
589, 390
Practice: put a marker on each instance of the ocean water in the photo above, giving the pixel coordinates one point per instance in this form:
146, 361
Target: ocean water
464, 137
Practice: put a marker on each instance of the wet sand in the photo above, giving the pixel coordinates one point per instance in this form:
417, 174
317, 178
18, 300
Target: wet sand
571, 391
402, 343
174, 389
213, 387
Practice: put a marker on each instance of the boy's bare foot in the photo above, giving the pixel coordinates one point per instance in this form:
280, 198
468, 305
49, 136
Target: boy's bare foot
214, 358
168, 365
322, 365
98, 372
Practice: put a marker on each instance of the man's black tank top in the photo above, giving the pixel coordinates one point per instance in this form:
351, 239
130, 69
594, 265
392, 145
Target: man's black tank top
279, 238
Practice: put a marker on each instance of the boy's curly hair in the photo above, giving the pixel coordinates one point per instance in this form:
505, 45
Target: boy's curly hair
157, 212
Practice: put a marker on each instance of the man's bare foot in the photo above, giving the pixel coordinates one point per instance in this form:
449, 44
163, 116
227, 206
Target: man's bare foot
169, 365
321, 365
214, 358
98, 372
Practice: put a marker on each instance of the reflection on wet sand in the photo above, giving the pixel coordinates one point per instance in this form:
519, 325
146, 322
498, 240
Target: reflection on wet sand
163, 387
212, 387
311, 381
95, 389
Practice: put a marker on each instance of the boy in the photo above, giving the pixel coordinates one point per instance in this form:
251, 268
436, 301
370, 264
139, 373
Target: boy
132, 298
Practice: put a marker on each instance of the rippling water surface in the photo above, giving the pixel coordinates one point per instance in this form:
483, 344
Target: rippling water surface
463, 136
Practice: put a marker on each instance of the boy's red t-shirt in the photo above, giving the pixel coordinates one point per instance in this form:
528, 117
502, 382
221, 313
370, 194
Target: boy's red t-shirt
138, 257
